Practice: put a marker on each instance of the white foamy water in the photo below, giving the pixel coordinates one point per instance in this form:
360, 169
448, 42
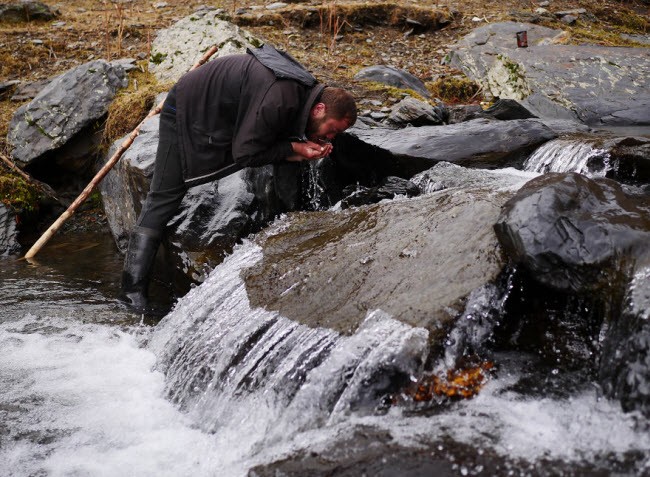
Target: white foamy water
569, 155
246, 387
83, 400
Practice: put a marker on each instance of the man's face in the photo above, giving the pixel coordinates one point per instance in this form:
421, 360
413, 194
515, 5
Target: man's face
321, 128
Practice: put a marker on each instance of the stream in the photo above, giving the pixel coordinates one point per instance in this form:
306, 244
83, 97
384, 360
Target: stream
219, 387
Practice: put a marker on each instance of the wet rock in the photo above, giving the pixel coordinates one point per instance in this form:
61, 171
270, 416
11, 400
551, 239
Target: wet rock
629, 159
595, 84
393, 77
411, 111
8, 232
476, 143
69, 104
389, 188
176, 49
625, 361
25, 11
576, 234
415, 259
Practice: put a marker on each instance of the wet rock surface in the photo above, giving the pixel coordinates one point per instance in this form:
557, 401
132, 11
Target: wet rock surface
574, 233
477, 143
416, 259
8, 233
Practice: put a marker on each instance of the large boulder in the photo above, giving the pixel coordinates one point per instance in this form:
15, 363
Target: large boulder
477, 143
416, 259
595, 84
177, 48
590, 238
69, 104
8, 232
576, 234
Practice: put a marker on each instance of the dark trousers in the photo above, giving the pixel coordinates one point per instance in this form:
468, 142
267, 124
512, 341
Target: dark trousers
167, 187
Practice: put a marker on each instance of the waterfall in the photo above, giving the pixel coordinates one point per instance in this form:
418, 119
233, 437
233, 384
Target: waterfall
569, 155
241, 371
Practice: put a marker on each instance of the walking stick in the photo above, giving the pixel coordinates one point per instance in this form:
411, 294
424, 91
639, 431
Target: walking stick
49, 233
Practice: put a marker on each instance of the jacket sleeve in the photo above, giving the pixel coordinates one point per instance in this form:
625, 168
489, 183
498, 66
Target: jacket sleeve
263, 135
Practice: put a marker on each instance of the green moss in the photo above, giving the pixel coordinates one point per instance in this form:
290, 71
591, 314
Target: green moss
157, 58
17, 193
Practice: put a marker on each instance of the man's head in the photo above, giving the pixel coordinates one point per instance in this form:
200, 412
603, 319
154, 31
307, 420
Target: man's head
333, 113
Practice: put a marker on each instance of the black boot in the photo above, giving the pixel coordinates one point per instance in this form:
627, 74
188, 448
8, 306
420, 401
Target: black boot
138, 263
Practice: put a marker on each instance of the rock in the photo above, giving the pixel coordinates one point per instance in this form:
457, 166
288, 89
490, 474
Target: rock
70, 103
8, 233
643, 39
569, 19
327, 269
176, 49
625, 361
629, 159
389, 188
128, 64
597, 85
393, 77
476, 143
575, 234
211, 218
7, 86
506, 109
29, 90
276, 5
417, 113
25, 11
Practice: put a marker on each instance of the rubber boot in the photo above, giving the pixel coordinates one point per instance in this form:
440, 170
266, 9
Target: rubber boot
138, 264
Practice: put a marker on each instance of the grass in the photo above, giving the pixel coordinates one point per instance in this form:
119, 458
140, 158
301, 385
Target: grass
132, 104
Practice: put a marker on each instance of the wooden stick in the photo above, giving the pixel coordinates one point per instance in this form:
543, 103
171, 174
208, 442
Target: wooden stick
43, 187
49, 233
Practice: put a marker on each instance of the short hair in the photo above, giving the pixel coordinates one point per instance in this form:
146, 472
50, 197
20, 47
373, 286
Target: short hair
339, 104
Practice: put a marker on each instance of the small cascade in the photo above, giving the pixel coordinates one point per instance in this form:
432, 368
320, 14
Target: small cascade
238, 370
316, 196
569, 155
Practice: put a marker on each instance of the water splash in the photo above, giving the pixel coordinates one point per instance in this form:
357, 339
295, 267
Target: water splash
241, 371
569, 155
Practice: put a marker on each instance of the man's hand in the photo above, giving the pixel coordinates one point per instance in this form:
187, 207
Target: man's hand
309, 151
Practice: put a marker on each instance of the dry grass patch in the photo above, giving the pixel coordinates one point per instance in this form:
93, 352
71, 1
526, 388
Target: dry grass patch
132, 105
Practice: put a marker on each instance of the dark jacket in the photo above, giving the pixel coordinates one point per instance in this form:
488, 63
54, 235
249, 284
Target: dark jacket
234, 112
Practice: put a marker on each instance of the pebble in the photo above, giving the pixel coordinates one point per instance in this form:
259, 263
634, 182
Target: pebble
541, 11
160, 5
276, 5
58, 24
544, 4
37, 42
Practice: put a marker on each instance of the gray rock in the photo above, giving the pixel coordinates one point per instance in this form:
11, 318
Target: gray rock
417, 113
438, 248
643, 39
8, 233
29, 90
7, 86
276, 5
176, 49
476, 143
575, 234
595, 84
393, 77
67, 105
25, 11
569, 19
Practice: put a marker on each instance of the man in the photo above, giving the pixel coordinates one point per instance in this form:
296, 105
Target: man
238, 111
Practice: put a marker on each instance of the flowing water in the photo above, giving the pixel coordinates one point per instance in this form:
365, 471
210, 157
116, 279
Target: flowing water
569, 155
219, 387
